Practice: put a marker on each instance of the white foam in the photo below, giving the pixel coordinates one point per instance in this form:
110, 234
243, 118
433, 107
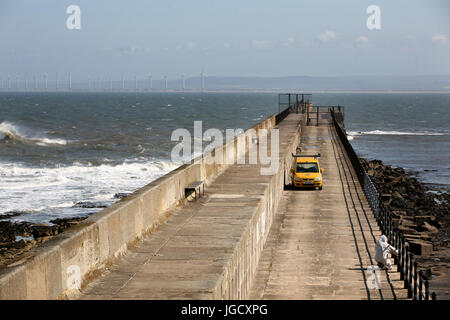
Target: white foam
26, 135
394, 133
47, 192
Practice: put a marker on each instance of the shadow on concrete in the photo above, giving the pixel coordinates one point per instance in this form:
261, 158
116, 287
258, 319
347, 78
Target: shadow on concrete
290, 187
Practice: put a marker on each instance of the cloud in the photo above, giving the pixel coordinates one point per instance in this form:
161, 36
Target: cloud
440, 40
130, 50
327, 36
289, 42
191, 45
260, 44
361, 42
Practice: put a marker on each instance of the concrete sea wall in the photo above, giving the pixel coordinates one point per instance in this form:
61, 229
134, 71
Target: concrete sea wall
51, 270
239, 274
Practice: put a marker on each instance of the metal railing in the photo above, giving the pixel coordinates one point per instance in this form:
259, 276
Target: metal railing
298, 102
414, 280
283, 114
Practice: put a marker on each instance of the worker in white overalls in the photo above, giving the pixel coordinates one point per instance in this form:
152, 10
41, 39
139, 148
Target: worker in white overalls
382, 250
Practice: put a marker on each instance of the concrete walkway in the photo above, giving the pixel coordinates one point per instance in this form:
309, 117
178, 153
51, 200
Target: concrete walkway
322, 242
202, 243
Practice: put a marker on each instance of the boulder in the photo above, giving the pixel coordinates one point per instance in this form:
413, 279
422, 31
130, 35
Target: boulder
90, 205
421, 248
121, 195
429, 228
398, 213
42, 231
397, 195
421, 219
408, 230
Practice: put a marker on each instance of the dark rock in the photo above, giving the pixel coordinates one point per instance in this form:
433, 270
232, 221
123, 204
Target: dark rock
121, 195
421, 219
32, 234
428, 228
8, 215
67, 223
44, 231
397, 195
90, 205
421, 248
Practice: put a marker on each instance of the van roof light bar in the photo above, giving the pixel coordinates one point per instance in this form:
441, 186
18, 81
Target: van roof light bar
306, 155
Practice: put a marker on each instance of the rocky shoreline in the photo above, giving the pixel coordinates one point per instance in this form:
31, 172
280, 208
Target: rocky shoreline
17, 238
423, 215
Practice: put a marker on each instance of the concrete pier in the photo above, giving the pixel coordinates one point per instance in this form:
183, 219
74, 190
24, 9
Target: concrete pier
320, 245
248, 237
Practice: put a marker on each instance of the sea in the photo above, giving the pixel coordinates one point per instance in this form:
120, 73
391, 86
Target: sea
66, 154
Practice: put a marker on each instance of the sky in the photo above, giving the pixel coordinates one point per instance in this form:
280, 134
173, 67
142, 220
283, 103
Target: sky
224, 38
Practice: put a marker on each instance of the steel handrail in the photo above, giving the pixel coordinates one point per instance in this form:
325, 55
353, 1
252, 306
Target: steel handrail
414, 280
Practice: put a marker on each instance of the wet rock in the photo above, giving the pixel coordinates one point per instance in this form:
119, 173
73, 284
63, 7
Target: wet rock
421, 219
397, 195
44, 231
18, 238
11, 214
90, 205
428, 228
121, 195
398, 213
67, 223
421, 248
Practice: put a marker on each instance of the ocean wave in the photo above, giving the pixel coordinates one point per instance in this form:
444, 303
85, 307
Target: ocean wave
393, 133
13, 132
50, 192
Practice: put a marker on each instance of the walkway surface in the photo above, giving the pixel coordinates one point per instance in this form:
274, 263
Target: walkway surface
319, 246
187, 257
322, 242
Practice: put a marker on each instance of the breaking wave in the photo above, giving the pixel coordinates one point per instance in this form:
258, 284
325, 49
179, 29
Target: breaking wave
15, 133
52, 192
393, 133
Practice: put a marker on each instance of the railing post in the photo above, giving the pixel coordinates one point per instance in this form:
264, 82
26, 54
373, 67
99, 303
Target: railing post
392, 229
415, 280
317, 115
427, 290
420, 285
405, 278
307, 115
400, 250
410, 275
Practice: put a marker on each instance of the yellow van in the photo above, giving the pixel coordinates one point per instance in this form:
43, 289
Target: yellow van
307, 172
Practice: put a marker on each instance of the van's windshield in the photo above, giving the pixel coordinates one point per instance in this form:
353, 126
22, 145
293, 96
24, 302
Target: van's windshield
307, 167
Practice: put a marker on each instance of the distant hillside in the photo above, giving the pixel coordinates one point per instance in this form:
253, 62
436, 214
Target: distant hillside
351, 83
